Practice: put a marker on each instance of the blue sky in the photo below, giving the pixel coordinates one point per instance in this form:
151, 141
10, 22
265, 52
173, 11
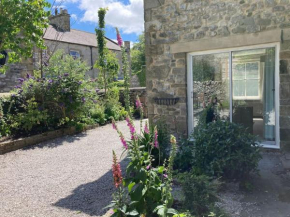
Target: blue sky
127, 15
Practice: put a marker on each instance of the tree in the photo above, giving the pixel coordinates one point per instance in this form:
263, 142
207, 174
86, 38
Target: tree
138, 60
22, 23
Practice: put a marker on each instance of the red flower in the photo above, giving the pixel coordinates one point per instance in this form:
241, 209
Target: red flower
117, 172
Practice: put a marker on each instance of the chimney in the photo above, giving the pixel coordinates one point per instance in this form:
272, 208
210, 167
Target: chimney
61, 21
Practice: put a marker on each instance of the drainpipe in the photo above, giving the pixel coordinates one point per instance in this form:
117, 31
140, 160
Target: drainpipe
92, 63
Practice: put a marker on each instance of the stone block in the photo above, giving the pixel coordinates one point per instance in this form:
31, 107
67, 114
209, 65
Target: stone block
284, 91
285, 110
285, 135
285, 55
285, 122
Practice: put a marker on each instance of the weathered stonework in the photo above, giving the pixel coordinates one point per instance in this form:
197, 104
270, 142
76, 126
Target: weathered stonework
169, 23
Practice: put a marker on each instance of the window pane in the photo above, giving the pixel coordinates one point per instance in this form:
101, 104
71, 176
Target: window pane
252, 88
210, 87
256, 110
239, 88
252, 70
239, 71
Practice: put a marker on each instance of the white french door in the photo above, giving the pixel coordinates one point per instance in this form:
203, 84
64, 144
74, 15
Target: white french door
242, 84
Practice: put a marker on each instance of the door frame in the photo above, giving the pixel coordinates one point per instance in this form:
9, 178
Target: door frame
230, 51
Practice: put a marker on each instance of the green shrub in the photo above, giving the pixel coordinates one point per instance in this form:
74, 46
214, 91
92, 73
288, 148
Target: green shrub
45, 104
184, 157
200, 193
98, 114
225, 149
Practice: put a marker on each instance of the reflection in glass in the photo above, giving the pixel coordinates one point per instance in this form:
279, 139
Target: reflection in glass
210, 87
254, 91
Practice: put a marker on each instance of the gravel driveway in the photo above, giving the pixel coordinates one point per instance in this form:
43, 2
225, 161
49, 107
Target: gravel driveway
69, 176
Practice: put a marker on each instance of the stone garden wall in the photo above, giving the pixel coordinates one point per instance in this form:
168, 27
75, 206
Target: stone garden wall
169, 23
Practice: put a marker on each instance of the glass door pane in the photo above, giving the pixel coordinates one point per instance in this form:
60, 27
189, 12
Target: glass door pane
210, 87
254, 92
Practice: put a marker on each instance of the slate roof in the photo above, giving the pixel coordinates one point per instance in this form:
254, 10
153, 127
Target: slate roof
77, 37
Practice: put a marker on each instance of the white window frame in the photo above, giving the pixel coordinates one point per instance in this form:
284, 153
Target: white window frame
266, 144
259, 78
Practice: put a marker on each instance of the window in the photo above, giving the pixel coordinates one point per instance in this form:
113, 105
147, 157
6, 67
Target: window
75, 54
240, 85
246, 80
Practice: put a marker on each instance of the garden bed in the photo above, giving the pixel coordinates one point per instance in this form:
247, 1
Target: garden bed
10, 144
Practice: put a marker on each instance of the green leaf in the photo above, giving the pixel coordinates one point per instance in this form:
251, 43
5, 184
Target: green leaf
130, 186
161, 169
136, 194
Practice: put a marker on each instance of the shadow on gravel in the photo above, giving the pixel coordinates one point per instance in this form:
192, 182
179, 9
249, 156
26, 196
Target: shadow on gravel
92, 197
57, 142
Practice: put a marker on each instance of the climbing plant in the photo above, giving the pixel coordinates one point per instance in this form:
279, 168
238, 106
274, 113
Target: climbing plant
107, 62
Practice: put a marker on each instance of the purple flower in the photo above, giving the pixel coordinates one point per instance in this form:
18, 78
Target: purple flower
65, 74
80, 82
165, 176
83, 99
148, 167
30, 85
17, 87
20, 91
97, 90
28, 76
50, 81
21, 80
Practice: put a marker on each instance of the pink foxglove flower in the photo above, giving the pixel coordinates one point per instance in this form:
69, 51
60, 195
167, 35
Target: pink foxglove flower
119, 38
114, 125
138, 103
132, 128
155, 137
117, 173
146, 130
123, 141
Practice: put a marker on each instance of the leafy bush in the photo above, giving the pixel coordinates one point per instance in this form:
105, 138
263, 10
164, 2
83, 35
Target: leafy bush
225, 149
200, 193
184, 157
61, 63
98, 114
43, 104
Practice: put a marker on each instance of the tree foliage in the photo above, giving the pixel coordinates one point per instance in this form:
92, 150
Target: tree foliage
138, 60
22, 23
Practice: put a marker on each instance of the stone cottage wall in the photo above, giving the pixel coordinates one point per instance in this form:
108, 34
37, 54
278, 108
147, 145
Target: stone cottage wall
170, 27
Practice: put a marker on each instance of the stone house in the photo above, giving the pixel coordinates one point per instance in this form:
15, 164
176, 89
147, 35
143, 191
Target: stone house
231, 54
59, 35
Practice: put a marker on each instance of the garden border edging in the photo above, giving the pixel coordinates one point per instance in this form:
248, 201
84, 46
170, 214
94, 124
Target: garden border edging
13, 145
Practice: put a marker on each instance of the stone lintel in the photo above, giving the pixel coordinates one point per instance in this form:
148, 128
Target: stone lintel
265, 37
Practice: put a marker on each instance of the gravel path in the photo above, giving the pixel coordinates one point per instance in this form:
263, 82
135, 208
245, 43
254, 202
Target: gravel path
69, 176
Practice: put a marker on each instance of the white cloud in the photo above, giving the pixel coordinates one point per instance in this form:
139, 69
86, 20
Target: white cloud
127, 17
74, 16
